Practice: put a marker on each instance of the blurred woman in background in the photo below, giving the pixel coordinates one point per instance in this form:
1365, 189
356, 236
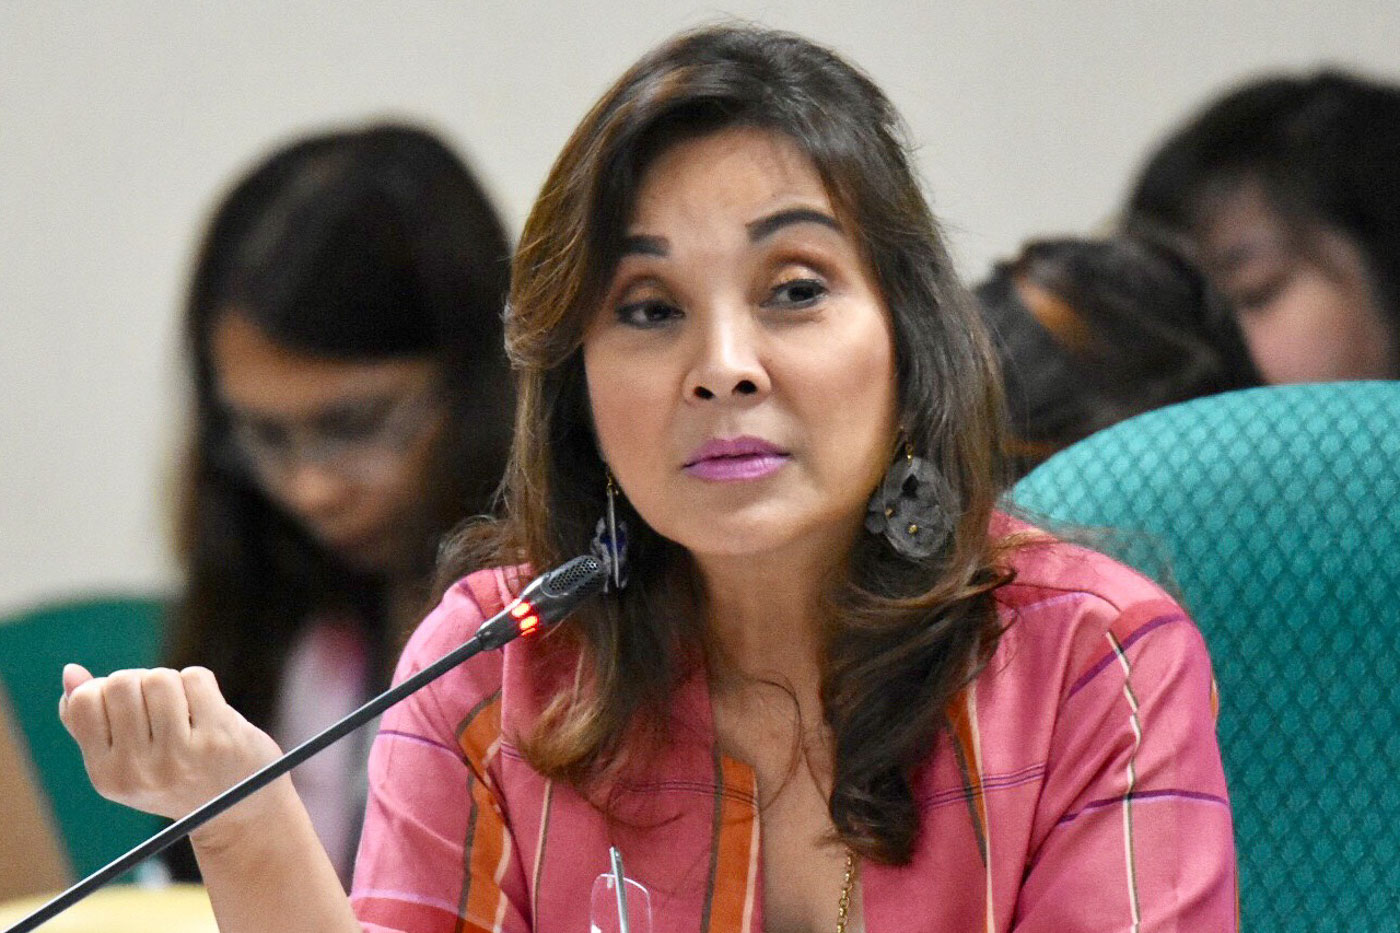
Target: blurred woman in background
1093, 331
1289, 187
352, 404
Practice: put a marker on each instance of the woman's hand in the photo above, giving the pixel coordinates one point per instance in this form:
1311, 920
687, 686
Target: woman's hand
162, 741
165, 742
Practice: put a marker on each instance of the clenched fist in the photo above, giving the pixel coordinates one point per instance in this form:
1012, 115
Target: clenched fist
162, 741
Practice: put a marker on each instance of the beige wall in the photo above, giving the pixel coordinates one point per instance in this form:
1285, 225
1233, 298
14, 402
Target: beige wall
120, 121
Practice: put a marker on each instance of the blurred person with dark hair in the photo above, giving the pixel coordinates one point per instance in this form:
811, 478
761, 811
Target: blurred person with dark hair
1093, 331
1289, 187
352, 404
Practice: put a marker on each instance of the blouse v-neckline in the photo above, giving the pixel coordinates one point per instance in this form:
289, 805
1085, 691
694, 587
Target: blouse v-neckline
692, 709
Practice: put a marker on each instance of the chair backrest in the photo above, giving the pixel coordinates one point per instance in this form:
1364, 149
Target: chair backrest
1275, 515
104, 635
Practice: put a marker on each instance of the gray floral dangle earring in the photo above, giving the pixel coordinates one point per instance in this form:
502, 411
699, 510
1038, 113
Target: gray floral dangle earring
609, 543
913, 508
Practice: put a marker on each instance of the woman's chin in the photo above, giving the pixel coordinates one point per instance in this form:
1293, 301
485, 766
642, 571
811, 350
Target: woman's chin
761, 542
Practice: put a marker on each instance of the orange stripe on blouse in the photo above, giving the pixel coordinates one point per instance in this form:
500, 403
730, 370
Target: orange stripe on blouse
967, 739
969, 755
487, 845
736, 875
479, 734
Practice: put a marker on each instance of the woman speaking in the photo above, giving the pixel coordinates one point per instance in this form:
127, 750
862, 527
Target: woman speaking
830, 686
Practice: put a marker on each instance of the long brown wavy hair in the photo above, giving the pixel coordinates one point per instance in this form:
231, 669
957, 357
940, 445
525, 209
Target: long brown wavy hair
903, 637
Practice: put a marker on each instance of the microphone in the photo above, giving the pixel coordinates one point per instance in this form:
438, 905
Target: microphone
543, 603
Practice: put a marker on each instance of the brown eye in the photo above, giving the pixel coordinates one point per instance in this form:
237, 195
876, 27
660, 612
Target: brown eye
647, 314
796, 293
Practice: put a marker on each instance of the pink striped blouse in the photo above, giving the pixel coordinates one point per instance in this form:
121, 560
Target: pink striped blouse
1080, 789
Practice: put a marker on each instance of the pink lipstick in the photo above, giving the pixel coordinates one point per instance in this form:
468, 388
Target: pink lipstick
735, 459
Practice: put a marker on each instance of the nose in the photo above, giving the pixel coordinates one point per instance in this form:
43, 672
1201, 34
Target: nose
310, 491
728, 362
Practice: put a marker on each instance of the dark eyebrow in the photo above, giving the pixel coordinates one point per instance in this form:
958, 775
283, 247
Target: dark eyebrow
374, 406
339, 410
640, 244
645, 245
767, 226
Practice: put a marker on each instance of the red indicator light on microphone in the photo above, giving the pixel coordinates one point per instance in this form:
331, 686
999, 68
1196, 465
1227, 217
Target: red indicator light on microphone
526, 620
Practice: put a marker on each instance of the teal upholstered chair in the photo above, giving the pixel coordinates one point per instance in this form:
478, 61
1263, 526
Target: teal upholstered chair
1275, 515
104, 635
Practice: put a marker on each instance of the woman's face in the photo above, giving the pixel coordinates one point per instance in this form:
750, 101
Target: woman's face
1305, 300
741, 369
345, 448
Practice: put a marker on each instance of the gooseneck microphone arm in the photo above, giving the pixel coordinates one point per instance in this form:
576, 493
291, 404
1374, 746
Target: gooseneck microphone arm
543, 603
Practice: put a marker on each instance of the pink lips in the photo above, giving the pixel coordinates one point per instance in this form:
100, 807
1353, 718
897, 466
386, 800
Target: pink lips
735, 459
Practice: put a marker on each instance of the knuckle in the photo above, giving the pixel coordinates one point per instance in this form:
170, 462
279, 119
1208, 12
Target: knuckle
197, 677
87, 693
123, 683
83, 704
161, 680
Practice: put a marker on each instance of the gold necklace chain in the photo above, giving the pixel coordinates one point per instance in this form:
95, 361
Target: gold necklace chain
843, 907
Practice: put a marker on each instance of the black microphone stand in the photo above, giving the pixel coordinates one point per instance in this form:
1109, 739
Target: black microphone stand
580, 577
